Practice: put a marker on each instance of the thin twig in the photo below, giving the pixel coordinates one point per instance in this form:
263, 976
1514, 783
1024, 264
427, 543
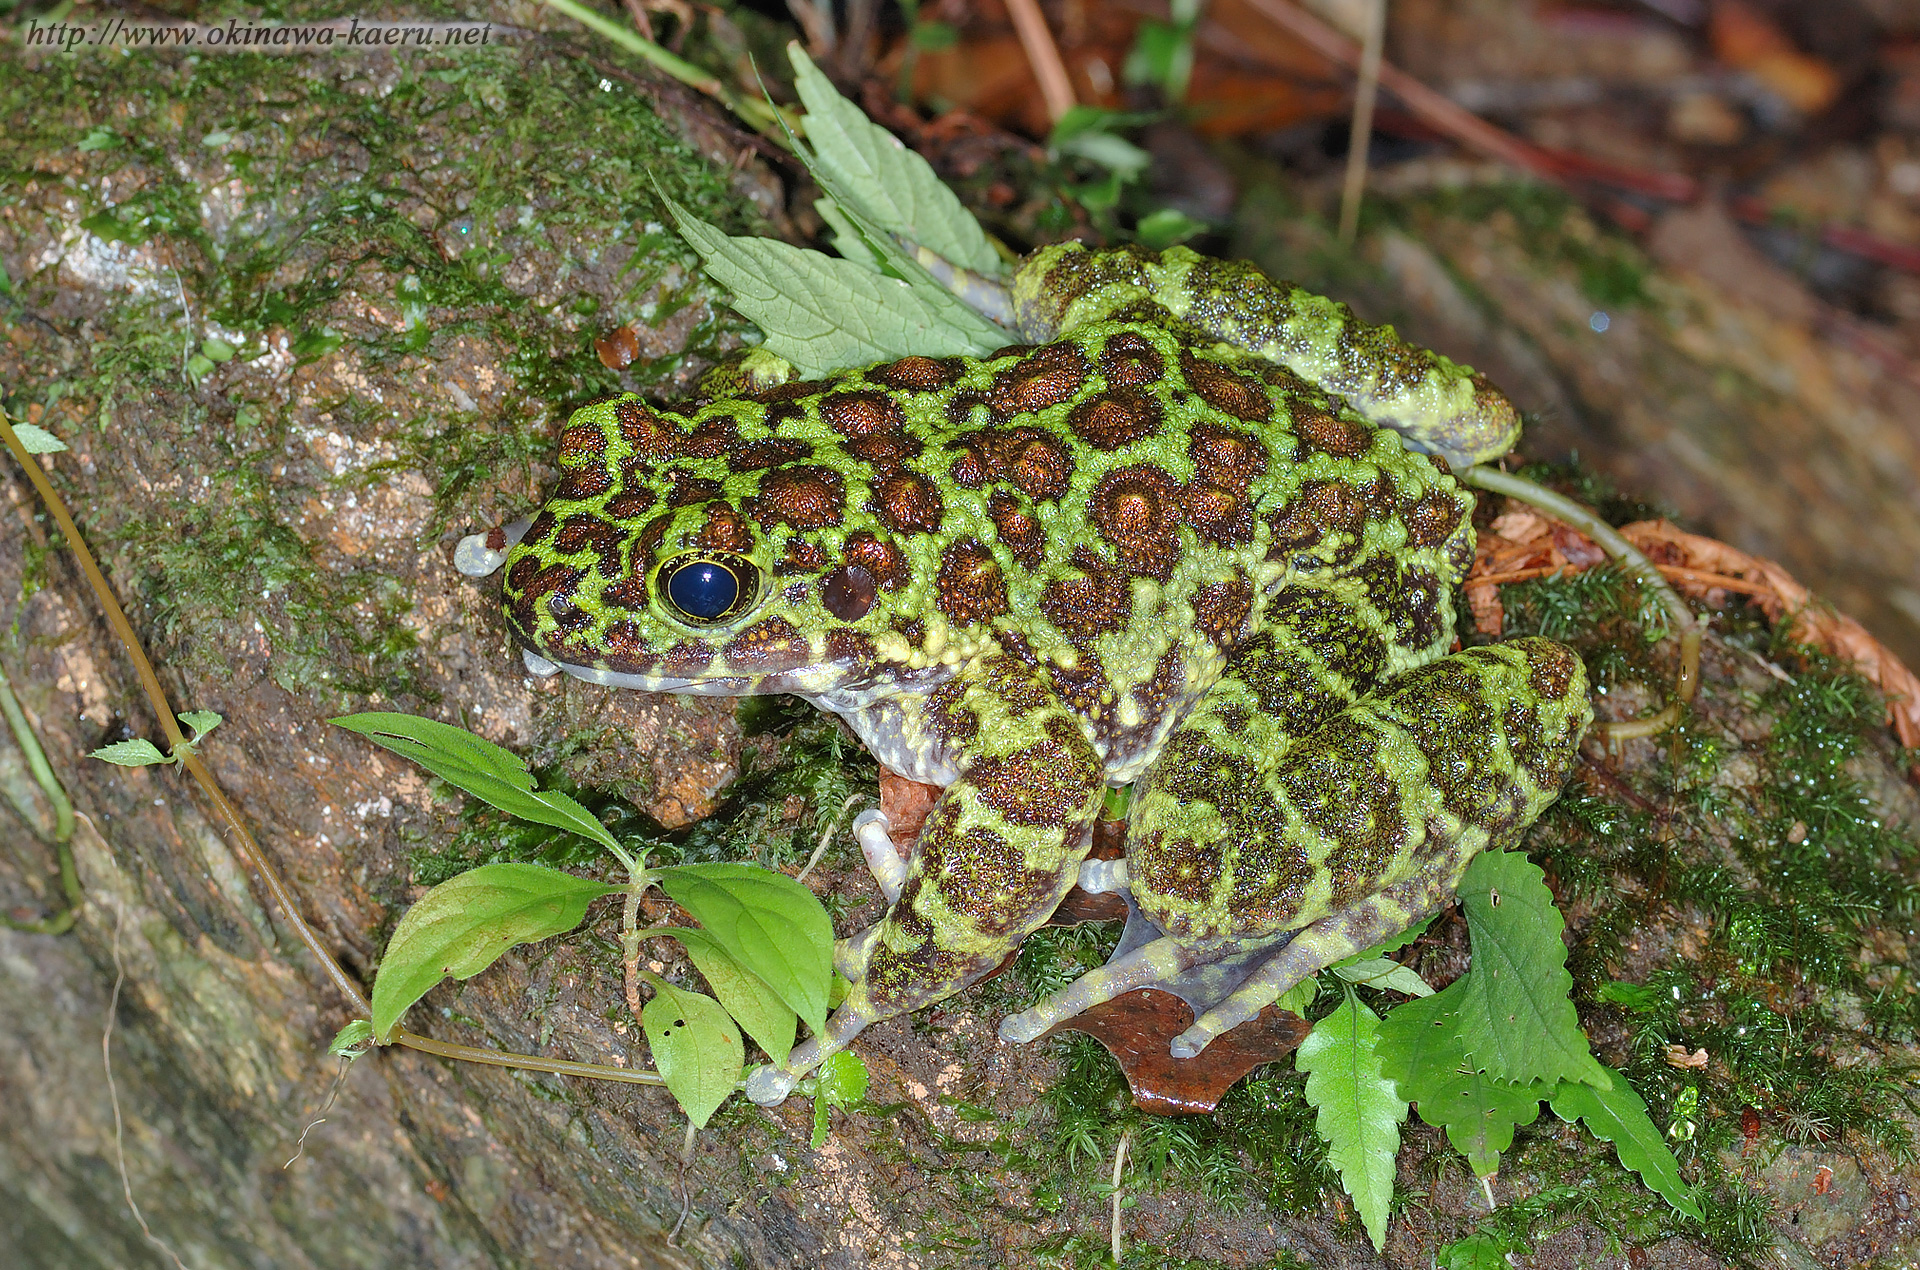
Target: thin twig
300, 1147
1360, 135
1043, 55
1119, 1163
113, 1090
826, 836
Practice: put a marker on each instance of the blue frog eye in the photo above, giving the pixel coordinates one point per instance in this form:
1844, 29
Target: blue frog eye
707, 586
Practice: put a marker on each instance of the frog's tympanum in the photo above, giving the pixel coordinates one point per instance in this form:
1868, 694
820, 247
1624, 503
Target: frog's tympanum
1188, 538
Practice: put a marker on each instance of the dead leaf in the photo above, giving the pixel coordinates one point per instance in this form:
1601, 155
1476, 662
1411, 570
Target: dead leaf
1137, 1029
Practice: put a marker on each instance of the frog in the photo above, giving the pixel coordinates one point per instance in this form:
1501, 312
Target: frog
1196, 533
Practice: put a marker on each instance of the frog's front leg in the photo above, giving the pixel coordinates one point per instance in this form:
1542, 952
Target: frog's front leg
997, 854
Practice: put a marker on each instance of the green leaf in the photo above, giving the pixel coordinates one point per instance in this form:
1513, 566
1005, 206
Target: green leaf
99, 137
847, 239
481, 768
1384, 972
696, 1047
768, 923
1479, 1251
842, 1082
36, 440
461, 927
1515, 1014
1160, 230
1420, 1040
754, 1006
1479, 1114
893, 186
136, 753
1619, 1116
1631, 996
352, 1040
1394, 943
1296, 999
823, 314
1359, 1110
1118, 155
202, 722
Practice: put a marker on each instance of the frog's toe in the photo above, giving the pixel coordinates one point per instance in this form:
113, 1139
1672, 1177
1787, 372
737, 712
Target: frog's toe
1019, 1029
875, 834
770, 1085
1104, 877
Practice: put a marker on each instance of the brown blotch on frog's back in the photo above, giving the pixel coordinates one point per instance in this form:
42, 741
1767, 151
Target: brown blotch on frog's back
626, 648
583, 531
908, 503
1433, 517
725, 530
1116, 417
802, 496
1087, 607
881, 559
887, 453
538, 592
1017, 528
1321, 431
1242, 396
948, 715
583, 483
1444, 707
1221, 609
1551, 667
850, 648
1137, 510
687, 490
917, 374
1044, 379
1219, 514
1336, 633
770, 452
1129, 359
969, 585
1321, 508
862, 414
1037, 786
1227, 456
985, 879
583, 445
1032, 460
1182, 870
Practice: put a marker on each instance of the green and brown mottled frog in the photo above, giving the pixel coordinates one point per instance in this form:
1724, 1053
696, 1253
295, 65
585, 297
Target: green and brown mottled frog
1186, 538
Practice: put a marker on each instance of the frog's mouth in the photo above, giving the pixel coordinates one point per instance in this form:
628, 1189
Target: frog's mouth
829, 686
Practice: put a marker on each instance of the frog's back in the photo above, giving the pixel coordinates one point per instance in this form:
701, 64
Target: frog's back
1118, 509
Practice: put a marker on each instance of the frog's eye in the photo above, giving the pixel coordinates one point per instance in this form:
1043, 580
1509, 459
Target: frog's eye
707, 586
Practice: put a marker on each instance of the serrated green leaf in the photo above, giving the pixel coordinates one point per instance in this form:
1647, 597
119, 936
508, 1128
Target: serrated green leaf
202, 722
1384, 972
479, 767
1422, 1052
37, 440
769, 923
1619, 1115
846, 236
696, 1048
757, 1008
842, 1082
1420, 1040
1359, 1110
1516, 1016
824, 314
138, 752
1630, 996
895, 188
461, 927
352, 1040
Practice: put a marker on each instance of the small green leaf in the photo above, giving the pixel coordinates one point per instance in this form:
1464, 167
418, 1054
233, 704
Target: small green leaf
842, 1082
311, 346
821, 313
1619, 1116
757, 1008
352, 1040
1478, 1251
38, 440
136, 753
1479, 1114
1160, 230
769, 923
1515, 1014
1296, 999
99, 137
1360, 1112
202, 722
879, 176
481, 768
215, 349
1384, 972
1116, 154
1631, 996
696, 1047
461, 927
